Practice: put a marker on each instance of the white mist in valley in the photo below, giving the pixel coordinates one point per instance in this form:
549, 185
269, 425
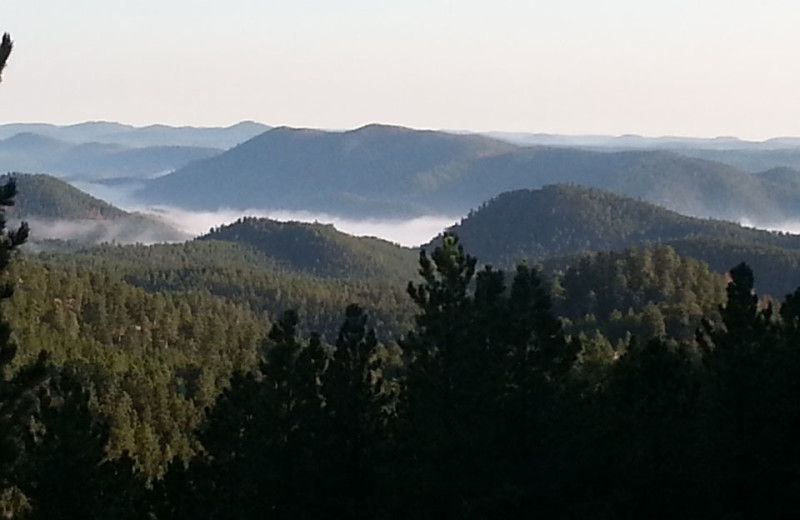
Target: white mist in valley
786, 226
406, 232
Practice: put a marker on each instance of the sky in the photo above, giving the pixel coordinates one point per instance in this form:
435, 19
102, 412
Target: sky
697, 68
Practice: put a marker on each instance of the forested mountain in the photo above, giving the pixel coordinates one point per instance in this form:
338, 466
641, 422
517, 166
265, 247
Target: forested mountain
29, 152
647, 292
57, 211
384, 168
140, 137
753, 161
319, 249
561, 220
380, 171
640, 142
178, 387
154, 360
749, 156
245, 275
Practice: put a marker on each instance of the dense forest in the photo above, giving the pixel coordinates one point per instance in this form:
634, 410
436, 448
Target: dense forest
563, 221
564, 352
282, 370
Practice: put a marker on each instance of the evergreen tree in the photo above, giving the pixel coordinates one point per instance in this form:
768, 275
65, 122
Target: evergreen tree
261, 440
67, 473
745, 381
5, 50
354, 430
17, 388
486, 371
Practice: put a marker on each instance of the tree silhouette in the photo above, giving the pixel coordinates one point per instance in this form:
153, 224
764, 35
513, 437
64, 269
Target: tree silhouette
5, 51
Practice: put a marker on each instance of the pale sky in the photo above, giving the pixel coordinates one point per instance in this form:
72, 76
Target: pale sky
675, 67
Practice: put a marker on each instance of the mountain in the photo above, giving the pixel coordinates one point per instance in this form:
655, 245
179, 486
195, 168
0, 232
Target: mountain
380, 171
267, 282
146, 136
564, 220
752, 161
58, 211
560, 220
29, 152
749, 156
630, 141
320, 249
373, 168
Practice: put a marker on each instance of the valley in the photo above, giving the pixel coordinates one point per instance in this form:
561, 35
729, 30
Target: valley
167, 327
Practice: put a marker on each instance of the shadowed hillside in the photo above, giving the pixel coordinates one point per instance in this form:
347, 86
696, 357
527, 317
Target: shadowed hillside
380, 171
57, 211
564, 220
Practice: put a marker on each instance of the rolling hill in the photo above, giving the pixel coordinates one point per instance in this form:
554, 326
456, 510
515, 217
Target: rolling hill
380, 171
140, 137
30, 152
320, 249
58, 211
390, 169
565, 220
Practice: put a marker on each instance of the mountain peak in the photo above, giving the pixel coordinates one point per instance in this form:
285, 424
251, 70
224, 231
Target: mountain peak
383, 128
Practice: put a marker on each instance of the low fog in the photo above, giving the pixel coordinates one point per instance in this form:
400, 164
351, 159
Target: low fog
408, 232
785, 226
411, 232
120, 231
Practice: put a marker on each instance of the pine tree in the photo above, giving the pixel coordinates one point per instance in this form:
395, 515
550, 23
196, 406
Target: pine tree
5, 50
438, 414
17, 388
67, 473
742, 377
355, 409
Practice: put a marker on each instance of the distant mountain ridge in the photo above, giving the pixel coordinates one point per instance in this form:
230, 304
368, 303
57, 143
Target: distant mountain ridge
36, 153
145, 136
376, 167
379, 171
749, 156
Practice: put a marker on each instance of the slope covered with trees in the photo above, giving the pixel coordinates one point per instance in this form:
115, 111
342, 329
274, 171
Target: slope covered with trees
58, 211
377, 171
245, 276
319, 249
562, 220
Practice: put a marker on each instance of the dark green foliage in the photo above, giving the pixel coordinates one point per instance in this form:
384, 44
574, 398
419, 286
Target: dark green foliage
17, 387
355, 425
308, 424
67, 473
557, 221
260, 436
647, 292
155, 361
485, 373
44, 196
562, 220
246, 276
778, 267
319, 249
